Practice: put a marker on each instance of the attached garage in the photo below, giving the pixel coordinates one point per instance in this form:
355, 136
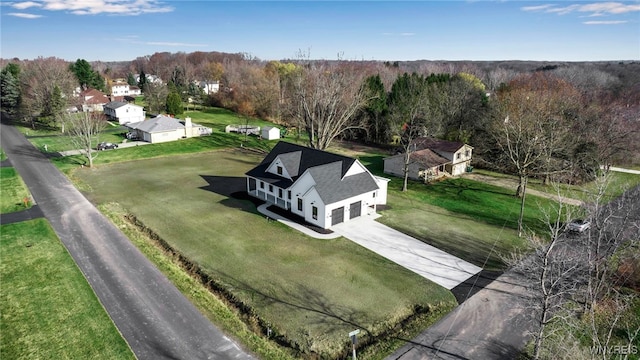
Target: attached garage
337, 216
355, 209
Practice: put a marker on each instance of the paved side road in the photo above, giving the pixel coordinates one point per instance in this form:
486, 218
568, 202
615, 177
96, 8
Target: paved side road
491, 325
155, 319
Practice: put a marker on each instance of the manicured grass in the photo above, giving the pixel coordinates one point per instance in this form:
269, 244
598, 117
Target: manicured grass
13, 191
457, 233
618, 183
57, 142
312, 291
211, 306
48, 309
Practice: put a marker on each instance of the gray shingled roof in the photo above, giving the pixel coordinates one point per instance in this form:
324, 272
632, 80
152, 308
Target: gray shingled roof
332, 188
115, 104
437, 144
157, 124
291, 162
327, 169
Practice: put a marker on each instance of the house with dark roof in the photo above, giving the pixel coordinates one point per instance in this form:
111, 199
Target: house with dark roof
431, 158
92, 100
324, 188
164, 128
124, 112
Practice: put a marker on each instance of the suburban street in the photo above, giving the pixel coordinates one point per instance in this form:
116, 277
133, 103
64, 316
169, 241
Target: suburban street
155, 319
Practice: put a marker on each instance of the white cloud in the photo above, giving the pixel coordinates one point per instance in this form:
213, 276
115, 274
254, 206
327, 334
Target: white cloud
25, 5
25, 15
94, 7
537, 8
604, 22
593, 9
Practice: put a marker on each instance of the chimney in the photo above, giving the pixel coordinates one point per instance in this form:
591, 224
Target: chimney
188, 127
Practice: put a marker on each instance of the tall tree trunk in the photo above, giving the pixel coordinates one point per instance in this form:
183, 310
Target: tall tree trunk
523, 184
405, 169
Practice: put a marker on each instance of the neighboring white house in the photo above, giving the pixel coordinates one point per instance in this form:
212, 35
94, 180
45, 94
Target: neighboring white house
432, 158
163, 129
121, 89
150, 78
324, 188
124, 112
270, 133
209, 87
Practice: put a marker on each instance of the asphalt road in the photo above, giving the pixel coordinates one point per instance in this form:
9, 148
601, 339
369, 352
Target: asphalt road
491, 325
155, 319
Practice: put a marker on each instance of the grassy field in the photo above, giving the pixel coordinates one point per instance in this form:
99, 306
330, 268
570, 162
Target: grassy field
617, 183
312, 291
48, 309
13, 191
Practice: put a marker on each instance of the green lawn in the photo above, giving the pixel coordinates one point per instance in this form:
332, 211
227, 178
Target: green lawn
312, 291
617, 183
57, 141
13, 191
48, 309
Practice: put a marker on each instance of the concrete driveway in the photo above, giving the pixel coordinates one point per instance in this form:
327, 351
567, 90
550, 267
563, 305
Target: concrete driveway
425, 260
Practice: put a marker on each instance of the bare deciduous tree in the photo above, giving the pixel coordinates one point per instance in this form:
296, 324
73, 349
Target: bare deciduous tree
325, 98
530, 128
39, 80
84, 130
575, 280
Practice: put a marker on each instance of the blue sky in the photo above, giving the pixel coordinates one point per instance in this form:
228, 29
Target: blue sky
110, 30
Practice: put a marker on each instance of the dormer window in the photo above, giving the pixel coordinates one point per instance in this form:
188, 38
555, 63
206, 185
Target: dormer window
279, 170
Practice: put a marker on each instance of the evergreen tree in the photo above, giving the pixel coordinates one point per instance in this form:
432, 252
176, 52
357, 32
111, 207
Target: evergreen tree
376, 111
142, 81
10, 88
131, 80
174, 103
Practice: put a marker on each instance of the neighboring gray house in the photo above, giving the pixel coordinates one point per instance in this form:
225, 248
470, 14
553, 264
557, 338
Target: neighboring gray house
324, 188
124, 112
163, 128
424, 165
431, 159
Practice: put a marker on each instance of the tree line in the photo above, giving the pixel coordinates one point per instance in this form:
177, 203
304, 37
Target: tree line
545, 121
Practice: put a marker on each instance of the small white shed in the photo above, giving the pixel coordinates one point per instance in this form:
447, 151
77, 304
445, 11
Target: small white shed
270, 133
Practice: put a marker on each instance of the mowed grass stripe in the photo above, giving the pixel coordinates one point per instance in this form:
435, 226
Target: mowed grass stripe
312, 291
48, 309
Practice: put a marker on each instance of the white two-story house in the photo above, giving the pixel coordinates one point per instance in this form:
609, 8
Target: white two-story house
324, 188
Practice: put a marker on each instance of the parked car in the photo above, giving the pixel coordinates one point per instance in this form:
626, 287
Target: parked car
132, 136
106, 146
579, 225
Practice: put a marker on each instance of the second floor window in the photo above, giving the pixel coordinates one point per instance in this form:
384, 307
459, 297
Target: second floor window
279, 170
280, 193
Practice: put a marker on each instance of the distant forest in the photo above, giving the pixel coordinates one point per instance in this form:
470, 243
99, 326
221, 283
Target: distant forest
590, 110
